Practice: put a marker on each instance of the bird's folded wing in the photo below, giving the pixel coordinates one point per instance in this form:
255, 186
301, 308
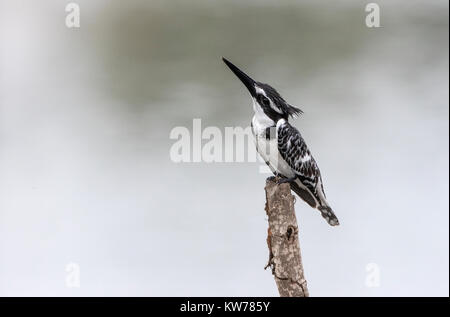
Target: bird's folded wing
295, 152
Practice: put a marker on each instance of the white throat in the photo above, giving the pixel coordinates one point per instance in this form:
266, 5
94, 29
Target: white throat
260, 120
261, 117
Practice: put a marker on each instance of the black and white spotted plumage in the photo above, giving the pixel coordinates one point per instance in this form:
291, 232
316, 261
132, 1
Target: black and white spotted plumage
308, 184
281, 145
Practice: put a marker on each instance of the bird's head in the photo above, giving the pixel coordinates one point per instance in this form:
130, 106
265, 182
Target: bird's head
265, 98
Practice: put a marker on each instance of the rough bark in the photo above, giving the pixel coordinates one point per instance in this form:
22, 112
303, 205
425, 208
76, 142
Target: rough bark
282, 239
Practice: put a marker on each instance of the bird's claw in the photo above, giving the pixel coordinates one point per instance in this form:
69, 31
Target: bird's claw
285, 180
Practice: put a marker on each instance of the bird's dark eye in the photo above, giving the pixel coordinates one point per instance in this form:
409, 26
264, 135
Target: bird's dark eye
264, 101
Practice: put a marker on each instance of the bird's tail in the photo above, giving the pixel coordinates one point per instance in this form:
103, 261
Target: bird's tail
303, 194
329, 215
323, 207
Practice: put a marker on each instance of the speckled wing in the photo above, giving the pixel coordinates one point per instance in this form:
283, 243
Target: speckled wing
295, 152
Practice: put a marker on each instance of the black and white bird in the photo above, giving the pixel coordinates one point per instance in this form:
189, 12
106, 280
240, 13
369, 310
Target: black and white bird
282, 146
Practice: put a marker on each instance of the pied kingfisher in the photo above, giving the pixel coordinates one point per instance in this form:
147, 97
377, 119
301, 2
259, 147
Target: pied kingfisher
282, 146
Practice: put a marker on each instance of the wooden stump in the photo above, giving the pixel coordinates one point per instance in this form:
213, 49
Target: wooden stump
282, 239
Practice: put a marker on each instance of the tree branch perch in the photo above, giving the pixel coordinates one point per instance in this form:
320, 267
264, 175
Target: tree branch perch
282, 239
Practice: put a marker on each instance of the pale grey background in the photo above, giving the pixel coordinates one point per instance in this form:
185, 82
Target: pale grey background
85, 173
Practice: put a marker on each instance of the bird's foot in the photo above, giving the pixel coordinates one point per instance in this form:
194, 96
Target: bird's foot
286, 180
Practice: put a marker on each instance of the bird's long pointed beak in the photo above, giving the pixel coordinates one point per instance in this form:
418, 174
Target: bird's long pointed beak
246, 80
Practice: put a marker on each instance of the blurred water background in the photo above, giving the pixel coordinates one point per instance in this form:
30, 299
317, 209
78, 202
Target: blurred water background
85, 172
